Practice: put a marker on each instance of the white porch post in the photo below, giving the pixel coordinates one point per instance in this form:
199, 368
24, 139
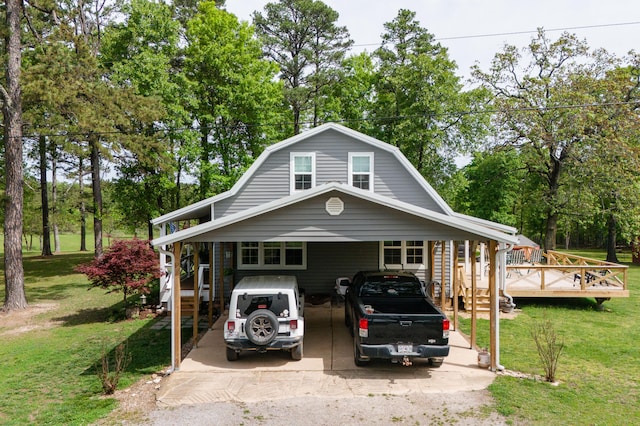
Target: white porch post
176, 337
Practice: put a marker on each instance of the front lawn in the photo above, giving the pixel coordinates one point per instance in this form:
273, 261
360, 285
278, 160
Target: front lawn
49, 353
598, 370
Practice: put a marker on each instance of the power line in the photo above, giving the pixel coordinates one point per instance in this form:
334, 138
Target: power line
472, 36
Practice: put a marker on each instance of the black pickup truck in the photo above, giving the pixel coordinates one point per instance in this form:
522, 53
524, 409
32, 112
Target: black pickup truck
390, 317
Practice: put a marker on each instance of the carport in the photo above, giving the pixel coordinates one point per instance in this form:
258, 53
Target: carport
326, 370
338, 214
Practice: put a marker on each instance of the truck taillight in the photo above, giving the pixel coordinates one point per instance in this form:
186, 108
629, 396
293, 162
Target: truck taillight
293, 324
363, 326
231, 326
445, 328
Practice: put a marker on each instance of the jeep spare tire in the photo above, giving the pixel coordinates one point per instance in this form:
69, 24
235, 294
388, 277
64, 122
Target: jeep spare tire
261, 327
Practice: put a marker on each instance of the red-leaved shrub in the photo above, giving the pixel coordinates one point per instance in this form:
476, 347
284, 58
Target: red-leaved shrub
128, 266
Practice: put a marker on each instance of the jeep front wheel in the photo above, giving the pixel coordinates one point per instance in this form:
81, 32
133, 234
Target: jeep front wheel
261, 327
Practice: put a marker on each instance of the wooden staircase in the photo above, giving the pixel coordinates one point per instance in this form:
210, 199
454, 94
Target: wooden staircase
187, 306
483, 301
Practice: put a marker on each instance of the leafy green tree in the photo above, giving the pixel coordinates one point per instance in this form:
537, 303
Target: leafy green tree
420, 106
495, 185
542, 103
354, 94
302, 37
235, 94
141, 53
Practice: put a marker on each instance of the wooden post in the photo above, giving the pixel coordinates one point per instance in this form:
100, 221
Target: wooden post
221, 277
493, 292
211, 281
432, 272
443, 274
177, 316
196, 293
474, 287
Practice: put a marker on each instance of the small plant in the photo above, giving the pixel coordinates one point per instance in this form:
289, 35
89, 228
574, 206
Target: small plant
110, 370
549, 346
128, 266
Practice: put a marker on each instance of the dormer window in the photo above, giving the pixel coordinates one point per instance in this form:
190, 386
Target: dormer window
303, 171
361, 170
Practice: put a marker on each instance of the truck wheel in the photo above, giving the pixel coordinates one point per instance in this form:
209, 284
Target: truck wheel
296, 353
232, 355
261, 327
435, 362
357, 359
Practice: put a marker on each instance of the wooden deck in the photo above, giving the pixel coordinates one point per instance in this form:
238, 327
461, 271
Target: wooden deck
560, 275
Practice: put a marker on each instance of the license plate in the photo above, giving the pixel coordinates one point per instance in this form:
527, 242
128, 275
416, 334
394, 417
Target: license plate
405, 349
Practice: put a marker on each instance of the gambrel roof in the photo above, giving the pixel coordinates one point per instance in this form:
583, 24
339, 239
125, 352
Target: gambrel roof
301, 216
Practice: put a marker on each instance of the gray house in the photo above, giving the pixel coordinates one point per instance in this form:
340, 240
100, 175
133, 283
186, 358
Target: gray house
320, 205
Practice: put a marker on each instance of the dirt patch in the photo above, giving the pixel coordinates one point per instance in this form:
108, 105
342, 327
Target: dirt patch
487, 315
135, 403
471, 407
22, 321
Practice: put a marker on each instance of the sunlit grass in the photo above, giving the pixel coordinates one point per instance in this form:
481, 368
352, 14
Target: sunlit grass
598, 370
48, 361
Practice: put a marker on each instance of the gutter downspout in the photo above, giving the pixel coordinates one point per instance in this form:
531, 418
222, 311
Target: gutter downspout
173, 311
502, 255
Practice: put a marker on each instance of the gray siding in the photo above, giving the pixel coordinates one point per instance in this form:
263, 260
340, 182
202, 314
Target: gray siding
325, 263
437, 268
271, 181
309, 221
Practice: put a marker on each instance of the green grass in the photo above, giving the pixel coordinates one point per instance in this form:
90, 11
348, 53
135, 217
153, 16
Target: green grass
48, 369
598, 370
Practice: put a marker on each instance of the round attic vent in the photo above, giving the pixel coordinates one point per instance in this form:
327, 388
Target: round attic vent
334, 206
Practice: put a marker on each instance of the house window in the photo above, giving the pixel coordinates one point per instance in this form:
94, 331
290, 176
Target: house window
249, 253
272, 255
361, 170
402, 253
303, 174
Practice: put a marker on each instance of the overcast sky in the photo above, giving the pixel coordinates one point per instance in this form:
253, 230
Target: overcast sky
447, 19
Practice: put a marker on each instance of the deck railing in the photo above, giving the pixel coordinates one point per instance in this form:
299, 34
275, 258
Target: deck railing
583, 271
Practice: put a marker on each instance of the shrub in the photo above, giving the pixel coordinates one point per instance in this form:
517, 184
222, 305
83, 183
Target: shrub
128, 266
549, 346
110, 370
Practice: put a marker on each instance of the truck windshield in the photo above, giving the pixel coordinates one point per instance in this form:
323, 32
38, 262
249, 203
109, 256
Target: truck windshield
395, 286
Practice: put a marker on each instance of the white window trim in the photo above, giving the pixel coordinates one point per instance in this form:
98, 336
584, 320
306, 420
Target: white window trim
405, 265
371, 162
292, 171
261, 264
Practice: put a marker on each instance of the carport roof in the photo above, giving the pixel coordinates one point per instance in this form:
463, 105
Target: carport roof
205, 232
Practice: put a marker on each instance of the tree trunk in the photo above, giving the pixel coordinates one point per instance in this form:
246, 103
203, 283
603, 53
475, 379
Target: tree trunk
551, 231
15, 297
44, 196
54, 202
83, 209
97, 195
612, 226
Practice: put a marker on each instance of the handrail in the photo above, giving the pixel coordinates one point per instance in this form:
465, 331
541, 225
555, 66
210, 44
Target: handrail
586, 275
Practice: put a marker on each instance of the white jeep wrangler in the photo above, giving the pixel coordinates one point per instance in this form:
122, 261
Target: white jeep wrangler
265, 313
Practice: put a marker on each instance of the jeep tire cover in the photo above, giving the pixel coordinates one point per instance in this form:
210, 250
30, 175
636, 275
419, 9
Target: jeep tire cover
261, 327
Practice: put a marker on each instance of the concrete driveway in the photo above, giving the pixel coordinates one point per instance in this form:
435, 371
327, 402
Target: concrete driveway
327, 369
